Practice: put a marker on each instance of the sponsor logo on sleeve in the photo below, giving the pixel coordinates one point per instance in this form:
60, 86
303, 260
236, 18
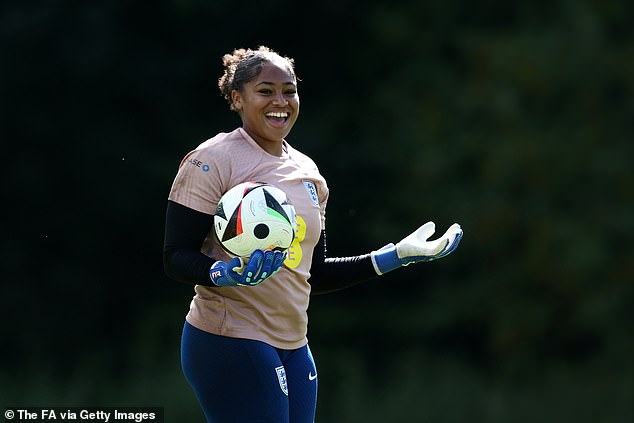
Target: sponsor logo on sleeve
199, 164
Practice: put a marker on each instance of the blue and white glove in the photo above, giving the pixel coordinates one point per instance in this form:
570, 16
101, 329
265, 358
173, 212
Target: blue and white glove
260, 266
416, 248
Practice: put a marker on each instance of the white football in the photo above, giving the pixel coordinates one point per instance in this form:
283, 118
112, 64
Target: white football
254, 216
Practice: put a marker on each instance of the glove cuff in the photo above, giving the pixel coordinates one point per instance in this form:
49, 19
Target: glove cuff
216, 274
223, 274
385, 260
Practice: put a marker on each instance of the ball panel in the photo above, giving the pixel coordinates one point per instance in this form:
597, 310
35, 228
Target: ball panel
275, 208
234, 224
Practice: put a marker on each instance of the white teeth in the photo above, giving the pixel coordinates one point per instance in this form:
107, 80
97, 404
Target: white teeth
277, 114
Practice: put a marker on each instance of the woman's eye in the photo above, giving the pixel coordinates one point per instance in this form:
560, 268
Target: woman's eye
265, 91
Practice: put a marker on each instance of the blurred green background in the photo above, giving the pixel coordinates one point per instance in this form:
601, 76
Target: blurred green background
515, 119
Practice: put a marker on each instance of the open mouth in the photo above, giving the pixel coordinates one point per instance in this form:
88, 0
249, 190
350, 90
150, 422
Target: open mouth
277, 118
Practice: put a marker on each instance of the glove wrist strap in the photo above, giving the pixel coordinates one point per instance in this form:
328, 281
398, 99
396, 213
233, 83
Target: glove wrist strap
385, 260
215, 273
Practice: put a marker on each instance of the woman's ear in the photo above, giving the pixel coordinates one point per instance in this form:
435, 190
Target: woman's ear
236, 100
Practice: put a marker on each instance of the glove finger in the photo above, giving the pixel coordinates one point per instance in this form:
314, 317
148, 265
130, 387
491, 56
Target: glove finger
420, 235
267, 265
278, 261
253, 267
237, 265
425, 231
453, 243
453, 230
453, 235
234, 268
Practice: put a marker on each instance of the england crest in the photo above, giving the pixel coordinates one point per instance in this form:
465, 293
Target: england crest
281, 377
312, 191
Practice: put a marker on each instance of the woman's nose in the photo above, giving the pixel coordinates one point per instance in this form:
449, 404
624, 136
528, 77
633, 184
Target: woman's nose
280, 99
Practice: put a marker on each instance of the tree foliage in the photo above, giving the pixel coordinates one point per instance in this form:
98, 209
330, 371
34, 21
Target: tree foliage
514, 119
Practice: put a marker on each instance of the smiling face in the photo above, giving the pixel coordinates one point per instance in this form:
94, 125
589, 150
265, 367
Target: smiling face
268, 106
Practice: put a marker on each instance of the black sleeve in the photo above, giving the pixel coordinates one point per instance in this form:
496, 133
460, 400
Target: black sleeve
334, 274
185, 231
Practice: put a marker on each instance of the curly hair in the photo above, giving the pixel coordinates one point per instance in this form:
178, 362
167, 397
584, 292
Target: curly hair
242, 65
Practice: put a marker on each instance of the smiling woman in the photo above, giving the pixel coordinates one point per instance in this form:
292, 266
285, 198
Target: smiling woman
268, 105
262, 87
244, 346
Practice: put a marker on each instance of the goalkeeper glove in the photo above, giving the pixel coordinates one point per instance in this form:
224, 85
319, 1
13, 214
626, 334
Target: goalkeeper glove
416, 248
260, 266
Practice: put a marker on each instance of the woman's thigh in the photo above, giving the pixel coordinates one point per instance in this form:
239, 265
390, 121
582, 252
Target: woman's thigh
235, 380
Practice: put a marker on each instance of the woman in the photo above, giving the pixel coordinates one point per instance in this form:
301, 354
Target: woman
244, 349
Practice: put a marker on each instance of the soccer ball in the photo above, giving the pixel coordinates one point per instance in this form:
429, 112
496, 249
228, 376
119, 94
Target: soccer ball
252, 216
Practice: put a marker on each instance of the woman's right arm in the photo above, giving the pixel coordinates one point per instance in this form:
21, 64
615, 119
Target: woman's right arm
185, 231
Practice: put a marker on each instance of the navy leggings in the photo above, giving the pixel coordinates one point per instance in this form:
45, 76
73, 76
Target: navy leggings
246, 381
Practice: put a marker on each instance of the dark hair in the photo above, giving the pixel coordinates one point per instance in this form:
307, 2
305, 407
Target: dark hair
242, 65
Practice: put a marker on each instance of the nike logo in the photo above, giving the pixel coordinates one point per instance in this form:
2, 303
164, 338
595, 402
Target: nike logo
311, 376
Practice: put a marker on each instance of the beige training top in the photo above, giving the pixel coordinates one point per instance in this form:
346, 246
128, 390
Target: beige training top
275, 311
